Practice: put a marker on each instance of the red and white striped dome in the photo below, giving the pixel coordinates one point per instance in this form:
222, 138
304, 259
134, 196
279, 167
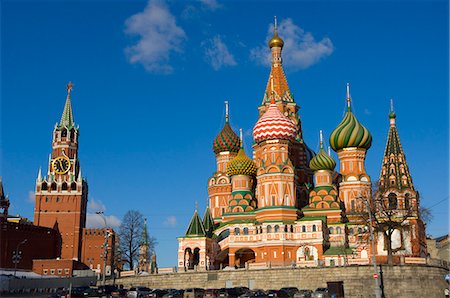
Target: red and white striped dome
274, 125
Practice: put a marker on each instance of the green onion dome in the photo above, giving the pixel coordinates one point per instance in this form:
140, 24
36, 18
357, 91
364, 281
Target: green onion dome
241, 165
350, 133
322, 161
226, 140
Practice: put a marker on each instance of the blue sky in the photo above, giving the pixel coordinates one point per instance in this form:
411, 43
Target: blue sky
150, 79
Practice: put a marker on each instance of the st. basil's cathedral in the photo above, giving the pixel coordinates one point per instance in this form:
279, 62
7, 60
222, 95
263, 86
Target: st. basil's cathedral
289, 206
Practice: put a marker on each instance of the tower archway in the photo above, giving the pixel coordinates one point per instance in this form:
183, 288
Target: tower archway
243, 256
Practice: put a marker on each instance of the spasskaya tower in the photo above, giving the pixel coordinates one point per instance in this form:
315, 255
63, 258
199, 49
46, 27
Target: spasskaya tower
61, 195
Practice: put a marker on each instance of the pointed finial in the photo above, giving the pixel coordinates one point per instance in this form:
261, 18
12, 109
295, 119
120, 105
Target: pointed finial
321, 139
241, 138
39, 178
69, 88
226, 111
349, 99
196, 206
392, 115
329, 150
275, 27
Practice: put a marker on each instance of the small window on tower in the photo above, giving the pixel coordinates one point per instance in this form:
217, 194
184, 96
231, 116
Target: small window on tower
46, 200
64, 186
53, 186
57, 200
44, 186
73, 186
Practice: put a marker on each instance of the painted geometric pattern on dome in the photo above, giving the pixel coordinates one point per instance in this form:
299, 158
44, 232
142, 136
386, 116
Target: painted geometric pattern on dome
323, 197
350, 133
226, 140
322, 161
274, 125
241, 165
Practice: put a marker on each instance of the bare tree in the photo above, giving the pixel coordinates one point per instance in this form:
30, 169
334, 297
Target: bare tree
387, 215
130, 233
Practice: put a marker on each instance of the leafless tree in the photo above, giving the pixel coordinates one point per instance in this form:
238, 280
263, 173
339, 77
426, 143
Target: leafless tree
130, 233
387, 214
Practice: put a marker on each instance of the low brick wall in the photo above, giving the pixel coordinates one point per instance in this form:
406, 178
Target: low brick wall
399, 281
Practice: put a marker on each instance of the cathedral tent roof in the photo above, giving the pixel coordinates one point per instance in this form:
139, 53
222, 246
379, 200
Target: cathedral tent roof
195, 228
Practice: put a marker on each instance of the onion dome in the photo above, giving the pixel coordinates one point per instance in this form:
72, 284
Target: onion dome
241, 164
227, 139
350, 133
276, 41
274, 125
322, 161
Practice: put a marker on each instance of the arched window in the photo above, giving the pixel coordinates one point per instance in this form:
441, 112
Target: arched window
237, 231
292, 229
64, 186
392, 198
44, 186
260, 230
269, 229
303, 229
63, 133
359, 231
353, 205
285, 228
53, 186
245, 231
338, 230
57, 199
350, 231
277, 228
314, 228
46, 200
331, 230
73, 186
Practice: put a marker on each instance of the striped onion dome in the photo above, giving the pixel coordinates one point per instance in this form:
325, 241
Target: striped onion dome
350, 133
322, 161
241, 164
274, 125
226, 140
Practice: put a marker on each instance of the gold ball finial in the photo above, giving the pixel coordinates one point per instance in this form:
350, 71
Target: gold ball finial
276, 41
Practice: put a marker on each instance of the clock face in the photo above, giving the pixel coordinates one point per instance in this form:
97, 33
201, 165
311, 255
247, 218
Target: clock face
61, 165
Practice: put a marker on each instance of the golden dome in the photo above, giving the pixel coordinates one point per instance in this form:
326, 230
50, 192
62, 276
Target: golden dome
276, 41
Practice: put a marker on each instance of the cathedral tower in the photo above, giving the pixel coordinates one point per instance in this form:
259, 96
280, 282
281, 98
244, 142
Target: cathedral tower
226, 146
351, 140
399, 194
61, 196
280, 154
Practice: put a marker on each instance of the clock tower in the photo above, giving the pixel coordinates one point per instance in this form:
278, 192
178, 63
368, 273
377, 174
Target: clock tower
61, 196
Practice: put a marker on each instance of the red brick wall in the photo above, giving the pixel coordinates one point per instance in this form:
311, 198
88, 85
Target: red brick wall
92, 248
42, 243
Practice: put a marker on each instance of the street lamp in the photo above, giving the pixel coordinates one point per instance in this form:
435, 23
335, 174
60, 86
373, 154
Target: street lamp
17, 256
105, 247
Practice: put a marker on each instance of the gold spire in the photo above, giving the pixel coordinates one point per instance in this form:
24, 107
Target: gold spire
275, 41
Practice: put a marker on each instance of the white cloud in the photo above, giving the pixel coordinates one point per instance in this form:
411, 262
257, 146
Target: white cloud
94, 220
300, 50
31, 197
170, 221
217, 53
211, 4
95, 206
159, 36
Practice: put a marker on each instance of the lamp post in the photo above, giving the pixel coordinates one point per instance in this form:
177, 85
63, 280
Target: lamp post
374, 259
105, 247
17, 256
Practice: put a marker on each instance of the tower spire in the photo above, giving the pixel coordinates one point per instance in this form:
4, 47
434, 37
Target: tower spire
275, 28
144, 233
226, 111
349, 99
241, 138
392, 115
321, 139
67, 115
